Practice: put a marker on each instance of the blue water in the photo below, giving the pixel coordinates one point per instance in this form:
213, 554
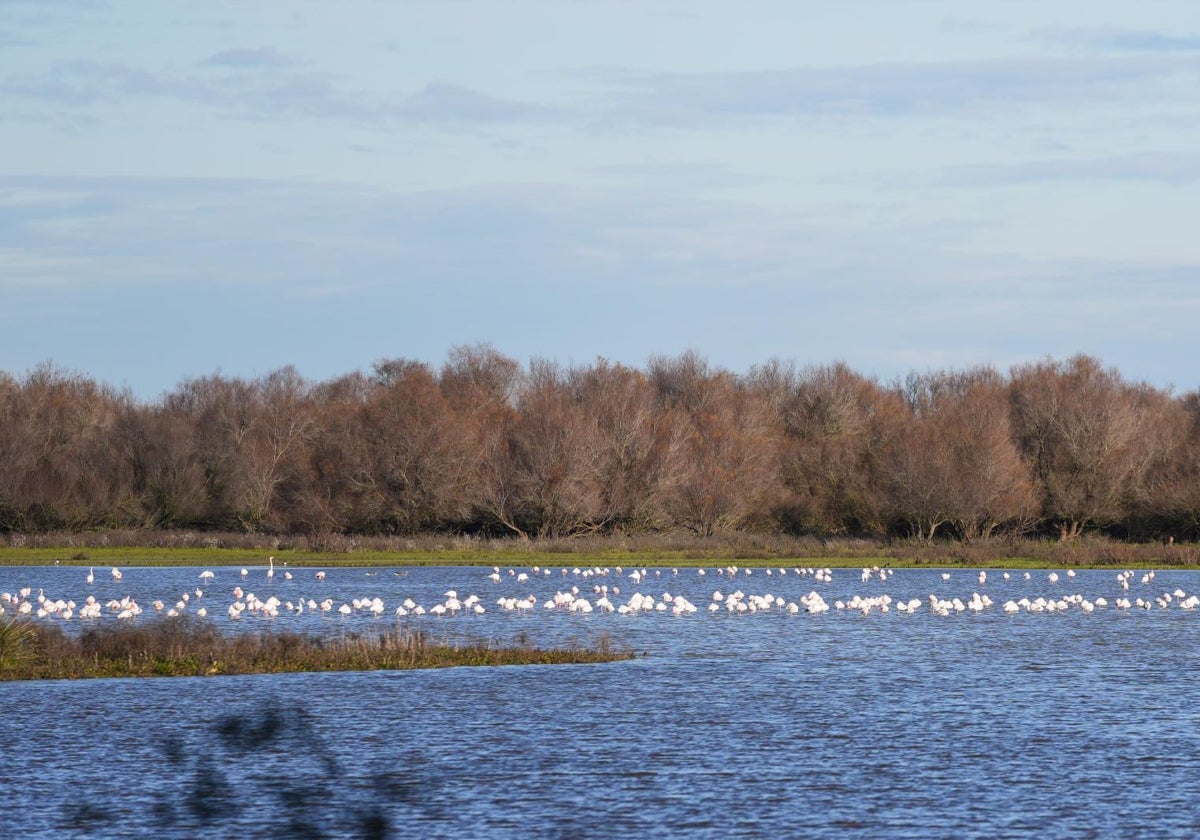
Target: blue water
836, 725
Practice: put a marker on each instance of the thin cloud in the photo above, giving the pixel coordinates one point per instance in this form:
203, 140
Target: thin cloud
1158, 167
790, 284
883, 89
85, 83
80, 83
209, 230
1122, 40
630, 97
283, 92
240, 58
1153, 42
446, 102
8, 41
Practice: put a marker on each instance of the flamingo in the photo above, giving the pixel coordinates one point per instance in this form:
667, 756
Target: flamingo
271, 570
91, 578
116, 573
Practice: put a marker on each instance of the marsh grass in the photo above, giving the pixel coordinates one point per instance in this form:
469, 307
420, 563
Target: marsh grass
190, 548
17, 640
185, 646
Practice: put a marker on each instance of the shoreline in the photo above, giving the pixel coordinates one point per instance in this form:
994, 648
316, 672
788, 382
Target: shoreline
835, 554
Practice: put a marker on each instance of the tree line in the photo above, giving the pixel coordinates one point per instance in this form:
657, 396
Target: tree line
486, 446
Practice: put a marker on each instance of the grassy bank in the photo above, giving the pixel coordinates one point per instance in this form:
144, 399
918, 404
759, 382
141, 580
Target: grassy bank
184, 548
185, 647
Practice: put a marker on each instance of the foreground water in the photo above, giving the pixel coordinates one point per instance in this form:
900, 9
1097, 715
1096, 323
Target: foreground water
975, 724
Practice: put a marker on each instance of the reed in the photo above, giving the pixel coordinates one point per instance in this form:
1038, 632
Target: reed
17, 640
186, 646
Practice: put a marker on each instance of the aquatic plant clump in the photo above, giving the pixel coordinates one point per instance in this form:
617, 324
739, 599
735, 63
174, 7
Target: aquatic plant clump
183, 646
17, 638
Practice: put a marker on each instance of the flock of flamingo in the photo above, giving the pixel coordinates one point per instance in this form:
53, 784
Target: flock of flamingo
594, 589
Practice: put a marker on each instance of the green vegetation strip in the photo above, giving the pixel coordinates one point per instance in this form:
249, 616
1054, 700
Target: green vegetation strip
1001, 556
196, 548
121, 556
185, 647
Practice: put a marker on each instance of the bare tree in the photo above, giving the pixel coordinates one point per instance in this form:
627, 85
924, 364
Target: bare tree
342, 491
481, 386
168, 476
1166, 498
250, 438
483, 445
419, 452
634, 443
60, 469
478, 378
1078, 425
554, 461
953, 460
720, 469
835, 425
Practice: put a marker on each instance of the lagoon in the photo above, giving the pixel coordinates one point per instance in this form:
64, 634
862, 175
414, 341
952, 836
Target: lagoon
974, 724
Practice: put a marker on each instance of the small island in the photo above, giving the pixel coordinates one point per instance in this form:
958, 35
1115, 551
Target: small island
183, 646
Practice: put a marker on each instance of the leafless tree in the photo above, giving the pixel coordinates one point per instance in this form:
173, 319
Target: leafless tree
634, 445
953, 461
482, 445
836, 425
420, 463
1077, 423
719, 471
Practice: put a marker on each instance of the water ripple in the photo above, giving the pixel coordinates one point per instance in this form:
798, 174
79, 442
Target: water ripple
1064, 725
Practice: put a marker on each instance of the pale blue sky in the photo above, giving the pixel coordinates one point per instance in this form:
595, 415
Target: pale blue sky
903, 185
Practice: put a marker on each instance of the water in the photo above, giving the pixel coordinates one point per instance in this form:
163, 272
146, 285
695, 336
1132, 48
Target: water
885, 725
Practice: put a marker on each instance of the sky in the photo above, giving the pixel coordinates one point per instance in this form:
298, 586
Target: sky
902, 185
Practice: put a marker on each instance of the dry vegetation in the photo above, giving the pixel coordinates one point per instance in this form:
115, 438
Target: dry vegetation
184, 646
483, 448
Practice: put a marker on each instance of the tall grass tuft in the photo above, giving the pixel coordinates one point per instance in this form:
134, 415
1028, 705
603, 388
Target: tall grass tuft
17, 639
